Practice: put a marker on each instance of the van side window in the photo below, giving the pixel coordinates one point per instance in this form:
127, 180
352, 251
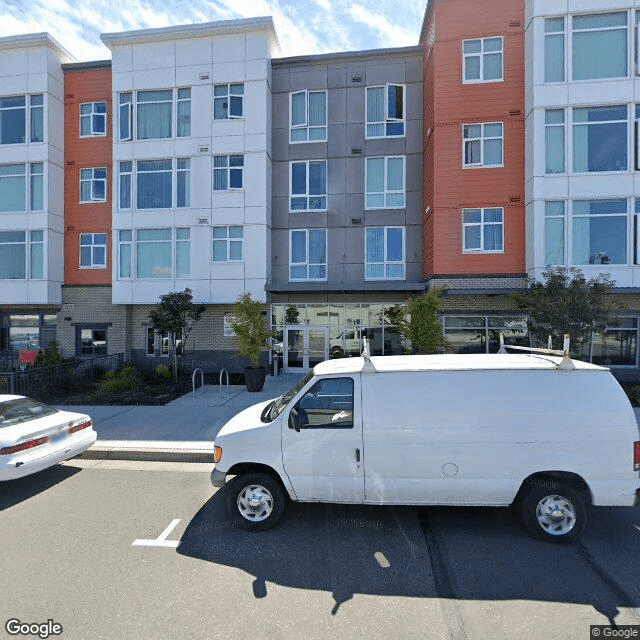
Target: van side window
327, 405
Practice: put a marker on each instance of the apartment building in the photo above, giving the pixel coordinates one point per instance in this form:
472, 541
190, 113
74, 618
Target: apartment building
474, 157
31, 193
582, 162
347, 167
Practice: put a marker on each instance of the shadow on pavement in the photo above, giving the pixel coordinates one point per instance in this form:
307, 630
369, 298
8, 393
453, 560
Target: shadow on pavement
434, 552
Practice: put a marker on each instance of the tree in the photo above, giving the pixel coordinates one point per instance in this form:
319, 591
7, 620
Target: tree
566, 302
176, 314
418, 322
250, 327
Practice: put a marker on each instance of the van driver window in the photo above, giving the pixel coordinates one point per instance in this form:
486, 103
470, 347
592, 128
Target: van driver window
327, 405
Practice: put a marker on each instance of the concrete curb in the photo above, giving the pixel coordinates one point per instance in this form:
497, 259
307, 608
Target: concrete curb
152, 450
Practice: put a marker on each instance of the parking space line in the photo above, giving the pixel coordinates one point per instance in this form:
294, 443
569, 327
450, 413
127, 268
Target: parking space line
161, 540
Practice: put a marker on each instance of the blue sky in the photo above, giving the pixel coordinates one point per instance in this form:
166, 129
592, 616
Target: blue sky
303, 26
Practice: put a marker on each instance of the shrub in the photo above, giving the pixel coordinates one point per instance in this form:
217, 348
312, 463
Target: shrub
162, 372
125, 379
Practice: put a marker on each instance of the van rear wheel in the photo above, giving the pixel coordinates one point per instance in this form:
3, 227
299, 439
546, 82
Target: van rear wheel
256, 499
554, 511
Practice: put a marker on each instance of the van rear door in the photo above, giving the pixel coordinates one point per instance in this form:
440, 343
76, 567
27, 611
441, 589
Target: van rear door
322, 442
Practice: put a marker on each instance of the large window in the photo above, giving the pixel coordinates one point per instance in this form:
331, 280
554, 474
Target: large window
228, 101
554, 50
482, 230
599, 45
15, 127
385, 183
157, 114
554, 136
599, 232
91, 341
482, 144
93, 185
228, 172
17, 193
618, 345
93, 250
482, 59
384, 253
21, 255
155, 182
481, 334
554, 224
600, 139
308, 186
93, 119
157, 342
385, 111
308, 254
154, 253
227, 244
308, 116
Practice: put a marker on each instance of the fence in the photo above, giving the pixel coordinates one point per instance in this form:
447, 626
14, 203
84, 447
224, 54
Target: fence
31, 381
8, 360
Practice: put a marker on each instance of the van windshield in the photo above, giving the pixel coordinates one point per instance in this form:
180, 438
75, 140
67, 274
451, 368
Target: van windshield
278, 405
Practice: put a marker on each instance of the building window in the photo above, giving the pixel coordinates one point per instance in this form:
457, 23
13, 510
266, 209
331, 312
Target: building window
482, 230
599, 232
482, 144
16, 193
599, 46
384, 253
153, 184
554, 50
308, 254
308, 182
481, 334
154, 114
13, 119
600, 139
93, 185
554, 136
385, 183
228, 101
159, 341
154, 253
227, 244
91, 342
482, 59
385, 111
93, 250
308, 122
554, 233
227, 172
93, 119
183, 183
21, 255
618, 345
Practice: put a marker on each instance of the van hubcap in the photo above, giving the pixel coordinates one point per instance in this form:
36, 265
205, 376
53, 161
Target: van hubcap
556, 515
255, 502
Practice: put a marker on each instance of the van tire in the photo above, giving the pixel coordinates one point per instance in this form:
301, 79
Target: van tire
540, 502
256, 500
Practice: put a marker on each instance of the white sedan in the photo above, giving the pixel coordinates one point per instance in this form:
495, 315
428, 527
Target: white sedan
34, 436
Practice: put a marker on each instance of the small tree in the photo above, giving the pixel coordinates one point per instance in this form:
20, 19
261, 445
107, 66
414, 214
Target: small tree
176, 313
418, 322
250, 327
566, 302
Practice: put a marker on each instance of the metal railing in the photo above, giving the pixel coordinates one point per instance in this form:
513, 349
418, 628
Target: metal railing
33, 380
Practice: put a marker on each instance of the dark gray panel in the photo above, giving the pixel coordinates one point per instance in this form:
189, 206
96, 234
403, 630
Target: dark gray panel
414, 136
280, 80
280, 108
337, 106
414, 100
355, 175
336, 76
337, 140
380, 73
308, 78
356, 104
336, 175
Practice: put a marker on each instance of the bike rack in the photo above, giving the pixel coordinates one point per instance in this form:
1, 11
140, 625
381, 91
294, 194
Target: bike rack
227, 379
193, 380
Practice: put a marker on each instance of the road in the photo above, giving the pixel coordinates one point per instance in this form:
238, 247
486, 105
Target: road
141, 550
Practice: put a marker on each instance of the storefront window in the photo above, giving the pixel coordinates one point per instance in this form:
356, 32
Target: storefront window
618, 345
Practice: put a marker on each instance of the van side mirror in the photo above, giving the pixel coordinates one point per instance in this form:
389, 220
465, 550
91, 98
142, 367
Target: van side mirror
294, 423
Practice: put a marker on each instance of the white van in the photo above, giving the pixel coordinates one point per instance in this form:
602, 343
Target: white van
493, 430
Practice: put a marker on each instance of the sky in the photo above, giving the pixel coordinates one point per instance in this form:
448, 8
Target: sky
304, 27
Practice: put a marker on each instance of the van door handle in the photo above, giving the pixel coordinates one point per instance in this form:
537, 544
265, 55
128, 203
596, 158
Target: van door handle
357, 455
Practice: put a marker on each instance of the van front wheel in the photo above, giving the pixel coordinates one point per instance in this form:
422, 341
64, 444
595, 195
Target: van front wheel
554, 511
257, 499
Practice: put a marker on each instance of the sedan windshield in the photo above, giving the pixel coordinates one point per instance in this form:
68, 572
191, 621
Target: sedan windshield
278, 405
22, 410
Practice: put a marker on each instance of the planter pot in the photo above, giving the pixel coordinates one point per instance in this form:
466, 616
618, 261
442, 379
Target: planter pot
254, 378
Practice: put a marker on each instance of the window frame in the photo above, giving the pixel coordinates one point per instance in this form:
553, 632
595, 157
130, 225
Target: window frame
228, 240
386, 119
307, 195
482, 224
228, 170
307, 264
482, 139
93, 180
30, 240
331, 424
386, 262
306, 126
481, 55
29, 109
386, 193
93, 328
228, 96
93, 264
91, 117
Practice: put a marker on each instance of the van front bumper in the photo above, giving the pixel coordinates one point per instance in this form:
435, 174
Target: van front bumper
218, 478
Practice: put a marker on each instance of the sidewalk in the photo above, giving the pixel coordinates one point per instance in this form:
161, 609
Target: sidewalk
181, 431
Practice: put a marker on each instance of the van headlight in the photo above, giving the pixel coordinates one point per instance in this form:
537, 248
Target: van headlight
217, 454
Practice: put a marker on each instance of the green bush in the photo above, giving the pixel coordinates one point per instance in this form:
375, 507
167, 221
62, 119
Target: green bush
125, 379
162, 372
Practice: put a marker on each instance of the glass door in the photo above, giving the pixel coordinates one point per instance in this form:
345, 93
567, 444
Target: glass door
304, 347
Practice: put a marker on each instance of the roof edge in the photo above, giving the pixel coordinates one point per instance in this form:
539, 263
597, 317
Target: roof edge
22, 41
342, 55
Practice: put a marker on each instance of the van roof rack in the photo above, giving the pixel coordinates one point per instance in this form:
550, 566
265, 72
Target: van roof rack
366, 354
565, 363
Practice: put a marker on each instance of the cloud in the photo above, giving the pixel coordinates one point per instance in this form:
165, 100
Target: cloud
393, 34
